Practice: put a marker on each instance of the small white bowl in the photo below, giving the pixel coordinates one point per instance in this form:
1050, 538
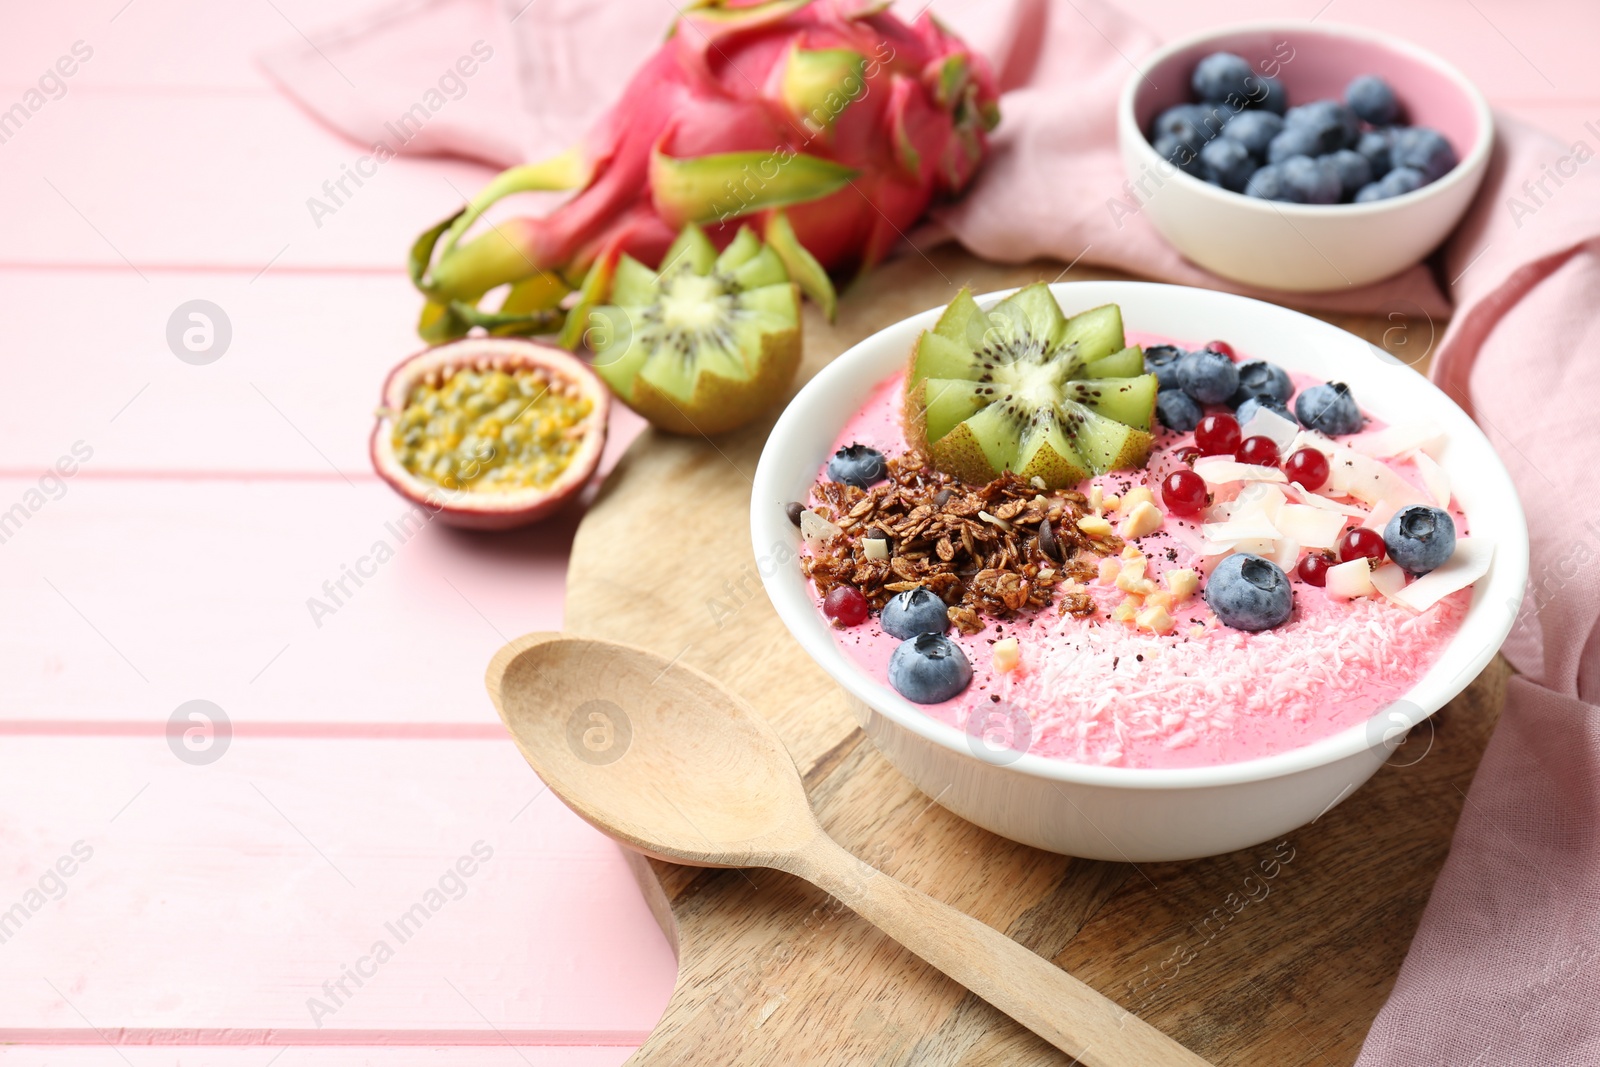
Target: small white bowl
1117, 813
1304, 247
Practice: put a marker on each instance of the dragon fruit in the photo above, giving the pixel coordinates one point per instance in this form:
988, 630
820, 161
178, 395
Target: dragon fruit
828, 126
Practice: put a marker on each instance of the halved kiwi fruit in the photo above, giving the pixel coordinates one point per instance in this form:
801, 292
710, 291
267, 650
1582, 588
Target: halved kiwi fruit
1024, 388
707, 342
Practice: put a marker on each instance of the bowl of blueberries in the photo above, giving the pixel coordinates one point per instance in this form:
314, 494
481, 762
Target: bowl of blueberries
1301, 157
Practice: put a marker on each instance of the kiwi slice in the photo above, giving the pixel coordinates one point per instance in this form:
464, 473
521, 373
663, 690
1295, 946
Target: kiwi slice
1024, 388
704, 344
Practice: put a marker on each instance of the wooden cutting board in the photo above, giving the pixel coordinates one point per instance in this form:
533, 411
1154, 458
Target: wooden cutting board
1276, 955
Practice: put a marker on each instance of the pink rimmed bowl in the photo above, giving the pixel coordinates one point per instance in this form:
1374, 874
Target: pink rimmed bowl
1117, 813
1304, 247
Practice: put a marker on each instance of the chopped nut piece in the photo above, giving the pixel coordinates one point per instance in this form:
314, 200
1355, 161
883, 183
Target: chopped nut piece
1095, 526
1183, 583
1126, 611
1131, 575
1007, 654
1155, 619
1109, 569
1145, 518
876, 547
1160, 598
1131, 552
1139, 494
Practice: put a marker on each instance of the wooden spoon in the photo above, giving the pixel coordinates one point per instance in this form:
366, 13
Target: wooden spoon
667, 761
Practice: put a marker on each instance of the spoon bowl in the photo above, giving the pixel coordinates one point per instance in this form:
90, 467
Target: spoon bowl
653, 753
667, 761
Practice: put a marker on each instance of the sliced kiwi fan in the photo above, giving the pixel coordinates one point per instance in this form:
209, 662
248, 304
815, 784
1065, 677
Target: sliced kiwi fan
1021, 387
707, 342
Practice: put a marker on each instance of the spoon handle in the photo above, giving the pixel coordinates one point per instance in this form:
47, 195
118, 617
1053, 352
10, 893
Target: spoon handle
1032, 990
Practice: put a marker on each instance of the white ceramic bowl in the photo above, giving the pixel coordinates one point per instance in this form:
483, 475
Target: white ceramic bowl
1123, 813
1305, 247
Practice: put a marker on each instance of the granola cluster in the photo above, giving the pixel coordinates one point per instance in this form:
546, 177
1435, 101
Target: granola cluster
990, 550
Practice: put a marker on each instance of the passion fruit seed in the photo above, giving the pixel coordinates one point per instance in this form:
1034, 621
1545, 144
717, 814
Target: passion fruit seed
491, 430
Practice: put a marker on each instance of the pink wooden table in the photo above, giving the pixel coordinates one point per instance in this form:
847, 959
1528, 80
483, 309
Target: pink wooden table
187, 911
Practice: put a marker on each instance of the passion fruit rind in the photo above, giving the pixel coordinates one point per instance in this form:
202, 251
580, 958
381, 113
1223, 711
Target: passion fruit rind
1018, 387
490, 433
707, 342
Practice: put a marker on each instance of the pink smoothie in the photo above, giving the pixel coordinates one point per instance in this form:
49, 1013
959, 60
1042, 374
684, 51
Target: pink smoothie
1101, 692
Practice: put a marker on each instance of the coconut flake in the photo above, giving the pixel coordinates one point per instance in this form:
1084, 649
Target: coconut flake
1382, 512
1239, 529
1467, 564
1220, 470
1395, 440
816, 530
1389, 579
1286, 554
1310, 527
1306, 496
1348, 580
1369, 480
1434, 477
1268, 423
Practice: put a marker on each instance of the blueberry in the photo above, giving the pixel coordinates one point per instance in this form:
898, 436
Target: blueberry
915, 611
1424, 149
1397, 182
1220, 75
1249, 593
1209, 377
857, 465
1420, 538
1267, 94
1334, 125
1374, 144
1353, 170
1228, 163
1250, 405
1255, 130
1267, 184
1215, 118
929, 669
1162, 361
1181, 122
1372, 100
1176, 411
1293, 141
1259, 378
1179, 154
1311, 181
1328, 409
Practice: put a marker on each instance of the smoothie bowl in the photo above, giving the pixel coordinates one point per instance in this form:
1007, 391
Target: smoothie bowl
1107, 589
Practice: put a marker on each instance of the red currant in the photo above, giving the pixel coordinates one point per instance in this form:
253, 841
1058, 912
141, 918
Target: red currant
1221, 346
1309, 467
1184, 492
1258, 451
1361, 542
1217, 435
1313, 569
845, 605
1186, 455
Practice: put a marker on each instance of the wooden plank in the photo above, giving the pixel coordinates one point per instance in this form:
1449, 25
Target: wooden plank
212, 902
234, 173
768, 965
129, 597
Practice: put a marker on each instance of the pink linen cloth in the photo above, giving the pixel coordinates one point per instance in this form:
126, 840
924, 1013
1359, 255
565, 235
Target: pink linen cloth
1505, 967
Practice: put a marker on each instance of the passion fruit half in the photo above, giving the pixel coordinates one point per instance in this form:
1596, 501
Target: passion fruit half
490, 432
